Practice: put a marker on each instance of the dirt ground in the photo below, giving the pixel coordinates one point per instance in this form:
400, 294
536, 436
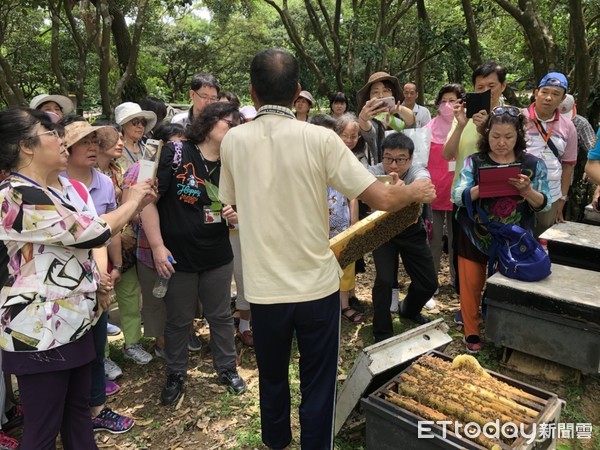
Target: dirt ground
207, 417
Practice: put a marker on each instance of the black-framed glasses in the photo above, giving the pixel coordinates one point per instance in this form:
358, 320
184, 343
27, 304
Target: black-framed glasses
231, 123
207, 98
399, 161
135, 122
510, 110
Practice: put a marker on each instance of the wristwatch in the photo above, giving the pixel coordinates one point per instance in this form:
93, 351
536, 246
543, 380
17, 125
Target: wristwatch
118, 268
564, 198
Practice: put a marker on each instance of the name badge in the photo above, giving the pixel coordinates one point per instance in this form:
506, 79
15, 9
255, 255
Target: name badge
451, 166
211, 216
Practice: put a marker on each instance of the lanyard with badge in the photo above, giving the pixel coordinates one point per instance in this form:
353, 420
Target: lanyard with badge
546, 135
212, 212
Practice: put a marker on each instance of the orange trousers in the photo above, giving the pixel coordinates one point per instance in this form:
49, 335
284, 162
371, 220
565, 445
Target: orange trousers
472, 276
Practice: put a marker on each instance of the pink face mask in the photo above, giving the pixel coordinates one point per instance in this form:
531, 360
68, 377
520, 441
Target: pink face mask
446, 110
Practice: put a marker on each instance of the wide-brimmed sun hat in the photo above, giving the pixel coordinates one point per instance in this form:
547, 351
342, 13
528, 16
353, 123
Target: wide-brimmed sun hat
308, 97
76, 131
363, 95
65, 103
129, 110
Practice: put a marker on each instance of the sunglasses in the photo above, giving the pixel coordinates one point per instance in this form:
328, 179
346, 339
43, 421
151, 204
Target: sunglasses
135, 122
510, 110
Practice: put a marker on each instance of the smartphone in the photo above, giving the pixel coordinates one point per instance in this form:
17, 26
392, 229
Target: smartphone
476, 101
390, 102
149, 160
385, 179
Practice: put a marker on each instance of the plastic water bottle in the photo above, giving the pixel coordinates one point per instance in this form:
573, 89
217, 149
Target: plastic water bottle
161, 285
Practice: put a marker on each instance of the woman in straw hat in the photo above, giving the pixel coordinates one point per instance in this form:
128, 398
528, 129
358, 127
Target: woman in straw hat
48, 306
83, 142
376, 116
136, 123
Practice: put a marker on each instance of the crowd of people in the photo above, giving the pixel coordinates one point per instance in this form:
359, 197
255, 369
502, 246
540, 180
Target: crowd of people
258, 203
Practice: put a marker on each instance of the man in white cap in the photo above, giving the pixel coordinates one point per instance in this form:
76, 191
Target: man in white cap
204, 90
552, 138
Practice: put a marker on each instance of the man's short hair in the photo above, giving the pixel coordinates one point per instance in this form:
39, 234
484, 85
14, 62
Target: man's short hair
204, 79
488, 68
396, 140
323, 120
274, 77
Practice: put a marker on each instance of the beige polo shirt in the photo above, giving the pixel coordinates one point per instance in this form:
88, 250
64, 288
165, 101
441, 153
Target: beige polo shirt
276, 170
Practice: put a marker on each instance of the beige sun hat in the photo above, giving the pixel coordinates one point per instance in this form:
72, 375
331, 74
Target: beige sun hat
65, 103
363, 95
129, 110
76, 131
308, 97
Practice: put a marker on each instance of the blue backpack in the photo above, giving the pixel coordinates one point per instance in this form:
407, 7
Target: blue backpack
514, 252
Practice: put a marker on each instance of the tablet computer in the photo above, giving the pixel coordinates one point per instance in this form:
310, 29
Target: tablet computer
478, 101
493, 180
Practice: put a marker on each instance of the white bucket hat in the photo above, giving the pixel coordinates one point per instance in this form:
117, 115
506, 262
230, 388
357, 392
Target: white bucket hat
129, 110
65, 103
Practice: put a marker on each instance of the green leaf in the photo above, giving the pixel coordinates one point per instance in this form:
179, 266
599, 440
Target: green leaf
212, 190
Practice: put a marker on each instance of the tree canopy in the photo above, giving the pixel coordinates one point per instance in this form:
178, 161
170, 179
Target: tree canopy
103, 52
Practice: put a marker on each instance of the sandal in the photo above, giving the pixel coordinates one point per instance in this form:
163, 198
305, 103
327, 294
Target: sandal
354, 318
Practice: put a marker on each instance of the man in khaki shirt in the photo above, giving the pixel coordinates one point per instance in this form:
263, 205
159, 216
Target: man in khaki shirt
276, 170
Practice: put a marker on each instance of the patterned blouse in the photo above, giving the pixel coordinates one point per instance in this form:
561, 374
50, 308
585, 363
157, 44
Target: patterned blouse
509, 209
49, 299
115, 173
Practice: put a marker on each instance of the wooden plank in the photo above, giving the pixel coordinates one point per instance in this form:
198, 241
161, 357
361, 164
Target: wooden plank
371, 233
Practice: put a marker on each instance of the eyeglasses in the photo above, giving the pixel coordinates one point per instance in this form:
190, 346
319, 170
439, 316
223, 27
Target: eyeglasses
510, 110
399, 161
54, 133
352, 137
206, 98
135, 122
86, 142
231, 123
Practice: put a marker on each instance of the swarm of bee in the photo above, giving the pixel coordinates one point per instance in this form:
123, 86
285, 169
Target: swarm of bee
371, 233
462, 391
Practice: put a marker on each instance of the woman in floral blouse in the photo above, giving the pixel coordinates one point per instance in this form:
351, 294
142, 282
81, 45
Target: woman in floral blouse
502, 143
49, 302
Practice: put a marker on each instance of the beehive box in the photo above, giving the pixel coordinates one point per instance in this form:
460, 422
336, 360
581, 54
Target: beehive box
391, 426
371, 233
574, 244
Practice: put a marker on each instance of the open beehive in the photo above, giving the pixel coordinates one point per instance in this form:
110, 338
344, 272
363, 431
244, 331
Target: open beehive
460, 392
371, 233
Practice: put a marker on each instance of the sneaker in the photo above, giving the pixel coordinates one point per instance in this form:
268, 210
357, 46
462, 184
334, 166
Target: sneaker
173, 389
246, 337
395, 296
419, 319
194, 343
458, 318
160, 353
231, 379
111, 370
473, 343
110, 421
112, 330
110, 387
7, 443
136, 353
430, 303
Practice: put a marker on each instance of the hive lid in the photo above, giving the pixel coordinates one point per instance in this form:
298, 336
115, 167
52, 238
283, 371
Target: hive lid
386, 358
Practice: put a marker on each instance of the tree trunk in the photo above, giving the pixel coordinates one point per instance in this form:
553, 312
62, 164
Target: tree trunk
423, 50
474, 51
582, 56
